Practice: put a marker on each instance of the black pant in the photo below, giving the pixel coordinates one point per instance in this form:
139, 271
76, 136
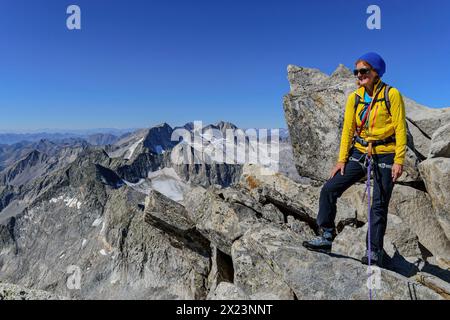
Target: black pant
382, 191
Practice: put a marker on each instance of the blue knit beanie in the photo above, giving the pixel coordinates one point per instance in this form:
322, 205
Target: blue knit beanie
376, 61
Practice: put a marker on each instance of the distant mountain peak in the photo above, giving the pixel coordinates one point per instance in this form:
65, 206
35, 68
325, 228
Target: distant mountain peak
34, 155
225, 125
45, 142
162, 125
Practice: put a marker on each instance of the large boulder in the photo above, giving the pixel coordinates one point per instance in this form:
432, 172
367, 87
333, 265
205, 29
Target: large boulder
162, 211
268, 250
399, 239
300, 200
401, 246
402, 254
314, 115
415, 209
220, 221
428, 120
255, 275
436, 175
440, 142
421, 140
172, 218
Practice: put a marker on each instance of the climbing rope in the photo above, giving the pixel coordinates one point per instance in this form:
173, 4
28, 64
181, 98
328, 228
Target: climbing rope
368, 164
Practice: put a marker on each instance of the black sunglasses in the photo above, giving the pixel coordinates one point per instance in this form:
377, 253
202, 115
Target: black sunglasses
361, 71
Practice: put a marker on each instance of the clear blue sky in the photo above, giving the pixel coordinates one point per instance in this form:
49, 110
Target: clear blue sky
136, 63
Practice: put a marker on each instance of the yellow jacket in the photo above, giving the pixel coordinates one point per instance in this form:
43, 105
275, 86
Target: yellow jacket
384, 126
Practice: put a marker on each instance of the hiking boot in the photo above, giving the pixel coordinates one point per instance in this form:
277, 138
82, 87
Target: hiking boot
375, 260
321, 243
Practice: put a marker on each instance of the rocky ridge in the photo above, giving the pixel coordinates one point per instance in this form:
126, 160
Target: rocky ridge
136, 227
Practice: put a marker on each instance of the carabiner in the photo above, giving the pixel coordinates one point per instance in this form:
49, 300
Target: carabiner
368, 159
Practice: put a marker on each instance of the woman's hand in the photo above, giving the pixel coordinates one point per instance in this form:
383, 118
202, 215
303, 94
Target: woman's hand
338, 167
397, 170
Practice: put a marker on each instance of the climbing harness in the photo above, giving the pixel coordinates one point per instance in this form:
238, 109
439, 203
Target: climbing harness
375, 143
362, 161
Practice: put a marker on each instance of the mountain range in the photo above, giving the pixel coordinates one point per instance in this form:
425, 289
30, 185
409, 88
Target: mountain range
121, 217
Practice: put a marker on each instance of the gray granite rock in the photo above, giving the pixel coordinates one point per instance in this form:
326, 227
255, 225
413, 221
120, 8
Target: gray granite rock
218, 220
312, 275
436, 175
414, 207
227, 291
401, 246
14, 292
440, 142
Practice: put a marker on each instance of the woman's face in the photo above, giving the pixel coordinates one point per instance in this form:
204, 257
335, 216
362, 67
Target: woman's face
367, 79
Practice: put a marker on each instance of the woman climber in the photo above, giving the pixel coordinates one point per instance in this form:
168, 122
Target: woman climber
373, 136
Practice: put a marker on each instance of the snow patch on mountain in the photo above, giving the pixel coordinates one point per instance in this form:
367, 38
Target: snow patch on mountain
165, 181
69, 202
97, 222
133, 148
